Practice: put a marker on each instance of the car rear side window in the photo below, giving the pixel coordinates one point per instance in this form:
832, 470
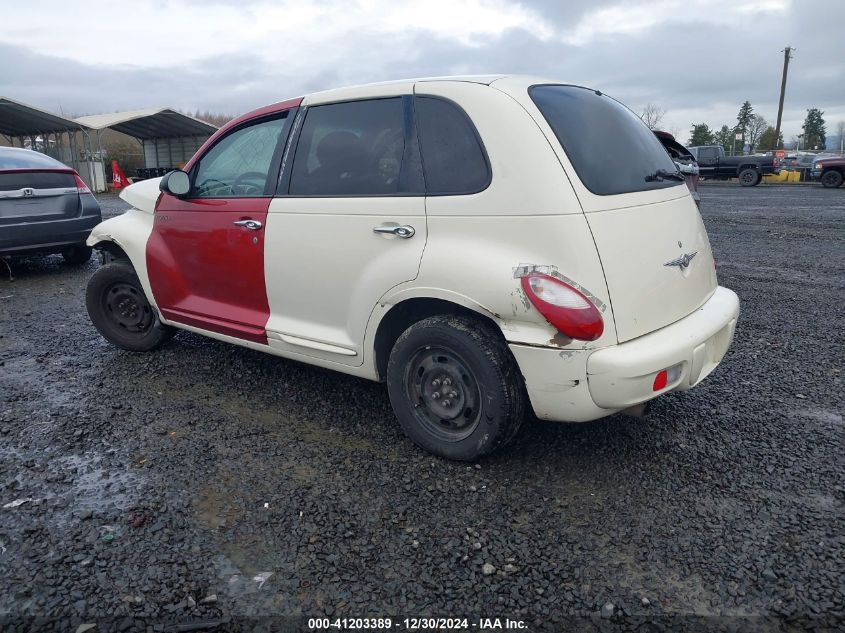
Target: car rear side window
350, 149
453, 158
611, 149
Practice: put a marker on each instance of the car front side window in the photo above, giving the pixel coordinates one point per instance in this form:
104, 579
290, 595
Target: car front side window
238, 166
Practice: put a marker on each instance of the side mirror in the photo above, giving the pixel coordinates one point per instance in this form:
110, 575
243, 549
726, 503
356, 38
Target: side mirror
176, 183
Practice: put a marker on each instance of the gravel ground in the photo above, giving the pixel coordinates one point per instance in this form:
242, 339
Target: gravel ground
205, 483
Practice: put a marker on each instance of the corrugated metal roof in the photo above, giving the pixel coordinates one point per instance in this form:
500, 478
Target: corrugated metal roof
19, 119
150, 123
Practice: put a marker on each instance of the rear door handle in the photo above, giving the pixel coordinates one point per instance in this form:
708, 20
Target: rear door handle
249, 223
405, 231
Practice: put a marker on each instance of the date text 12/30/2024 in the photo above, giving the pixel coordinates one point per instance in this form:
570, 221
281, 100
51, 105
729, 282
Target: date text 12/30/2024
416, 624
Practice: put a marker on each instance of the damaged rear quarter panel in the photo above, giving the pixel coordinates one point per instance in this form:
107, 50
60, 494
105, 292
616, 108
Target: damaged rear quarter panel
472, 260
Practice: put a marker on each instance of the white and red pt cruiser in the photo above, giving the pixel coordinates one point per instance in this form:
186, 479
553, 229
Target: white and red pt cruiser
489, 246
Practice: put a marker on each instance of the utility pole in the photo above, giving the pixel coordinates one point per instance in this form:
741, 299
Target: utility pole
787, 55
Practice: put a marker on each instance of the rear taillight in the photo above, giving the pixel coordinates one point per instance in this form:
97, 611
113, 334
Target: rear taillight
569, 311
81, 187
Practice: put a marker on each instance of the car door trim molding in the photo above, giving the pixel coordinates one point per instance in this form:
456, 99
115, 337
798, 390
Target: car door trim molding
310, 343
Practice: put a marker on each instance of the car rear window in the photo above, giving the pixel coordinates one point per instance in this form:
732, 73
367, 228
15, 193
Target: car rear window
11, 181
611, 149
14, 158
453, 158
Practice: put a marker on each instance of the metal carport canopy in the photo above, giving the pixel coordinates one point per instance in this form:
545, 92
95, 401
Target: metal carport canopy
149, 124
19, 119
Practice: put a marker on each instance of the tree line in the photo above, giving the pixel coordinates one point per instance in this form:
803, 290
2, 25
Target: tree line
755, 132
751, 130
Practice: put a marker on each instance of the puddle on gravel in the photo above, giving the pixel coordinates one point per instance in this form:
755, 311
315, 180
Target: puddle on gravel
212, 509
820, 415
79, 482
246, 414
96, 487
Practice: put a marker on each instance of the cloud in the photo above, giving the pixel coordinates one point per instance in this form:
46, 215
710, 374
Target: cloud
698, 60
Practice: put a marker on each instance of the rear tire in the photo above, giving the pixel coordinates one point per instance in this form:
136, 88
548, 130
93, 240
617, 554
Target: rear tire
455, 387
120, 311
749, 177
77, 254
831, 179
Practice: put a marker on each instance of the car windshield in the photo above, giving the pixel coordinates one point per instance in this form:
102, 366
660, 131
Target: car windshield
611, 149
14, 158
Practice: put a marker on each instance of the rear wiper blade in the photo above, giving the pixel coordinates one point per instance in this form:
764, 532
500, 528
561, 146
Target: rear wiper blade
662, 174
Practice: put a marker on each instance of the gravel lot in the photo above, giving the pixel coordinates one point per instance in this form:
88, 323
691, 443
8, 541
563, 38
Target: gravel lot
162, 486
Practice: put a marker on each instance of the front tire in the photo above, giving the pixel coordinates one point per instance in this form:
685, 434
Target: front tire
77, 254
749, 177
455, 387
831, 179
120, 311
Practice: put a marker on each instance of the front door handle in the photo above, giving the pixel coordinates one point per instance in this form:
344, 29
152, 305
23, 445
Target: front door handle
405, 231
250, 224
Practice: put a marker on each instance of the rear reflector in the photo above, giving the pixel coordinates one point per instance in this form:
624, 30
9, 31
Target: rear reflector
81, 187
666, 377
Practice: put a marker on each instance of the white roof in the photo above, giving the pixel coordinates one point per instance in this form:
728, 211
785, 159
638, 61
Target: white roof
149, 123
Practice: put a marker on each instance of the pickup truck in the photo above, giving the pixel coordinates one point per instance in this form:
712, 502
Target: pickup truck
831, 171
749, 170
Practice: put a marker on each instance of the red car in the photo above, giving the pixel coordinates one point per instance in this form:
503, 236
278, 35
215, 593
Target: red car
831, 171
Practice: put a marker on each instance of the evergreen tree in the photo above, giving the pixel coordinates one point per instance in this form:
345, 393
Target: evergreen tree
767, 140
725, 138
814, 132
700, 134
743, 119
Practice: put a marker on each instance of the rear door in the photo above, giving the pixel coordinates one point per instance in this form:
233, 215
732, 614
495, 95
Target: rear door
348, 224
652, 243
205, 256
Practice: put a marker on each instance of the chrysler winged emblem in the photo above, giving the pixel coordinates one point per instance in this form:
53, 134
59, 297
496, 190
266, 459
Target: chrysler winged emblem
683, 261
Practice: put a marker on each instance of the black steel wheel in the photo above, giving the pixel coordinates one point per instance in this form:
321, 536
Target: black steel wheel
831, 179
444, 392
455, 387
749, 177
127, 308
120, 310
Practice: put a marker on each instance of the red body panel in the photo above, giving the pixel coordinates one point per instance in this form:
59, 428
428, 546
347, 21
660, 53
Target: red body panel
207, 272
203, 269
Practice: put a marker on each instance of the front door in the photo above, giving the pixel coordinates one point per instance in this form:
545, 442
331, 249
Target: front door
205, 256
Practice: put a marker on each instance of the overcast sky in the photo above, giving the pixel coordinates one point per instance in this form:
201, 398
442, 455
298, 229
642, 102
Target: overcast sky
699, 60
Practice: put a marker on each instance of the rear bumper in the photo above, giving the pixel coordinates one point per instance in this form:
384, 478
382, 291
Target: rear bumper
19, 239
623, 375
53, 235
580, 385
